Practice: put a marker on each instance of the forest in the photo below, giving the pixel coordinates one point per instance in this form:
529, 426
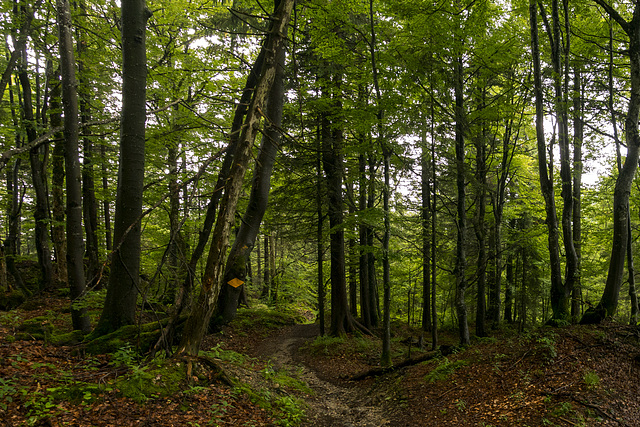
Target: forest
436, 175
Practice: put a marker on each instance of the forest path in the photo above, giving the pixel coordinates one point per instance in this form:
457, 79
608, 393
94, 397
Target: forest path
332, 404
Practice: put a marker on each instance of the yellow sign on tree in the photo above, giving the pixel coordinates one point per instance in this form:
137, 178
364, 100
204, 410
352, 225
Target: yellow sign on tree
235, 282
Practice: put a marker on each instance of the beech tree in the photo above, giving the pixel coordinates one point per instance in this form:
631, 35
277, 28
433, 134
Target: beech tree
120, 304
609, 300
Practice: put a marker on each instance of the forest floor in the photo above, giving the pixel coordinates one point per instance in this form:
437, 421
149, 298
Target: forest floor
282, 373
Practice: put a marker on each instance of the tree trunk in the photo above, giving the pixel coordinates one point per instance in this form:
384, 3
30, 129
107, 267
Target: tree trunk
363, 264
560, 297
14, 215
341, 320
481, 233
120, 303
609, 301
578, 135
266, 282
461, 216
320, 235
198, 320
212, 207
426, 234
89, 203
385, 359
38, 161
58, 237
546, 184
75, 255
434, 269
374, 301
106, 206
258, 197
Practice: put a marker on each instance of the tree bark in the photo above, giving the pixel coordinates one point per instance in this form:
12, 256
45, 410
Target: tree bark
546, 184
120, 303
341, 320
320, 236
75, 253
58, 236
609, 300
426, 235
106, 206
461, 212
363, 264
38, 160
578, 135
481, 233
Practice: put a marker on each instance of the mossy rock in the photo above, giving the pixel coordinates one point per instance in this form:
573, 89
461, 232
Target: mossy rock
593, 316
37, 325
156, 380
11, 300
141, 336
70, 338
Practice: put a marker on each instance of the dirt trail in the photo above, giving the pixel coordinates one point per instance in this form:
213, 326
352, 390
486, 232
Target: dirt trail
332, 404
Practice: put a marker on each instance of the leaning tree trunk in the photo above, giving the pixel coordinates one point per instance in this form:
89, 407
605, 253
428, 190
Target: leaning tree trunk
120, 304
75, 255
236, 267
609, 301
198, 320
184, 291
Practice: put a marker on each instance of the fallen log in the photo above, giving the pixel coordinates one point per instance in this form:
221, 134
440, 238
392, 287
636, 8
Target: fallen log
442, 351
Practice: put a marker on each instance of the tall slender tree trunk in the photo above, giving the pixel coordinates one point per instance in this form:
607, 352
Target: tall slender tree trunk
58, 236
481, 233
106, 206
14, 207
426, 235
320, 234
363, 264
374, 301
38, 161
578, 135
385, 359
434, 269
89, 202
560, 297
203, 236
546, 183
120, 303
266, 282
75, 249
461, 215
